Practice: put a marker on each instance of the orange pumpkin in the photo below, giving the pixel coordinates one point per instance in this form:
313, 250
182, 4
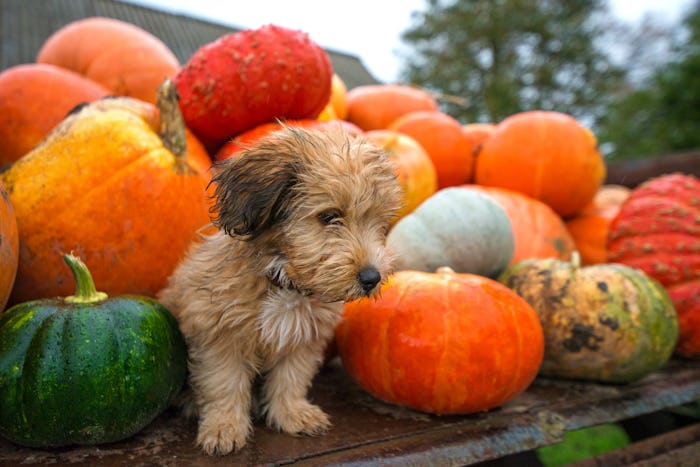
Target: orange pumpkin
9, 246
590, 228
376, 106
445, 142
547, 155
235, 145
442, 343
414, 169
113, 184
123, 57
538, 231
478, 133
34, 98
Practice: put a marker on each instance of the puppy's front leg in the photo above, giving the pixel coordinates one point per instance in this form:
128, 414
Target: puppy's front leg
285, 391
222, 385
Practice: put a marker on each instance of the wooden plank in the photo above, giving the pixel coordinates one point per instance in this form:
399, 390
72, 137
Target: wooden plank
369, 432
635, 171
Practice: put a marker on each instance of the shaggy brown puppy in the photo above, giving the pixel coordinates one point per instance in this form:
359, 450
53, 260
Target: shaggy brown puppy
302, 219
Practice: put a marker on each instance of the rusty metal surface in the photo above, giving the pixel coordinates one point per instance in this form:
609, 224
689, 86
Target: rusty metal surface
369, 432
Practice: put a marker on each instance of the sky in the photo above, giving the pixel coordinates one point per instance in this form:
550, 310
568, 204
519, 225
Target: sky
368, 29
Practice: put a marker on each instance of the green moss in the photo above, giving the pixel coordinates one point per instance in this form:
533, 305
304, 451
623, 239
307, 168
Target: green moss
582, 444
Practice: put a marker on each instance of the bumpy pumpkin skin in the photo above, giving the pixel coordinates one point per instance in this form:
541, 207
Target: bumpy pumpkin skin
606, 323
441, 343
250, 77
686, 298
458, 228
104, 186
86, 373
9, 246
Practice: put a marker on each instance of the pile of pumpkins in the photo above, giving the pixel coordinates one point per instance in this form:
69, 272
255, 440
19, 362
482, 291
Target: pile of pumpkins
504, 245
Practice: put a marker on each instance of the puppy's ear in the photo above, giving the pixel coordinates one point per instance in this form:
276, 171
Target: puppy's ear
252, 192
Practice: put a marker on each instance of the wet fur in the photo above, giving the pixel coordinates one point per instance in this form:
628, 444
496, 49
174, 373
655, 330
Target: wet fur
262, 296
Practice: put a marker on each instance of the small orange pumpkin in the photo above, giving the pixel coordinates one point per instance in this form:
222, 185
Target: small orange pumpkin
113, 184
442, 343
443, 138
376, 106
538, 231
9, 246
121, 56
547, 155
34, 98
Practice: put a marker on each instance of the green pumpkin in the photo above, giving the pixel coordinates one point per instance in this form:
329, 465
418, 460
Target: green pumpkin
86, 369
458, 228
607, 322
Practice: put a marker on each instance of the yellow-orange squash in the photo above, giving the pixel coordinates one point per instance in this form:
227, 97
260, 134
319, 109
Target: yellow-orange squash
442, 343
121, 56
114, 185
547, 155
9, 246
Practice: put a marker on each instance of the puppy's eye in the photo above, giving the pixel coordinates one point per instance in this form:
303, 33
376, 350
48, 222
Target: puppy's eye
330, 218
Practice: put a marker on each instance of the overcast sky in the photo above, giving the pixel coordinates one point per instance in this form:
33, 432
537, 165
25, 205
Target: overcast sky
369, 29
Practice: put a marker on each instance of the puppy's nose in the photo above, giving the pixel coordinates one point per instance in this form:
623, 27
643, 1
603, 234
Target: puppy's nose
369, 277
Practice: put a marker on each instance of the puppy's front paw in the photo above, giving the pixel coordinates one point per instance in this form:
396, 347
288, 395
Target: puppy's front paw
222, 438
299, 418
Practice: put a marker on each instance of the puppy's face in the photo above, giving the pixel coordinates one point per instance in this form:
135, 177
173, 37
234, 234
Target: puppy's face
321, 201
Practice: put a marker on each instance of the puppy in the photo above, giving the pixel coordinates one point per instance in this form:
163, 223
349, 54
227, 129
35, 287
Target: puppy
302, 219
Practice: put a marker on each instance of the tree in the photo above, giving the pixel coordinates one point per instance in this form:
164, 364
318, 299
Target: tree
506, 56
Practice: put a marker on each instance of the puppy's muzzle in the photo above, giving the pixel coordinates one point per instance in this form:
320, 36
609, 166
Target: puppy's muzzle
368, 278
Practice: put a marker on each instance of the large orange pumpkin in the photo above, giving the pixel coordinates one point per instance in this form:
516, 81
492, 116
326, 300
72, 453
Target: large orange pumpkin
108, 185
34, 98
443, 138
123, 57
376, 106
9, 246
442, 343
538, 231
547, 155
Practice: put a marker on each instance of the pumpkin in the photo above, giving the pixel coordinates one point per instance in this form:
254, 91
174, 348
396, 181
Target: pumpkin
606, 323
9, 246
442, 137
546, 155
538, 231
458, 228
478, 133
442, 343
250, 77
338, 101
237, 144
116, 184
657, 231
686, 299
415, 170
376, 106
34, 98
124, 58
87, 368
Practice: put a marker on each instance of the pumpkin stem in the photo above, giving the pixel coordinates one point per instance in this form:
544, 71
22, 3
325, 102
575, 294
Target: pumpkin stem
575, 259
172, 125
85, 291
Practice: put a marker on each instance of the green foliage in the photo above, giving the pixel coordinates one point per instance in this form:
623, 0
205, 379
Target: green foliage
506, 56
663, 114
582, 444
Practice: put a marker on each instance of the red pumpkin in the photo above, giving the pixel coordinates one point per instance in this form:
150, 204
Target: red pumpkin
686, 299
250, 77
538, 231
9, 246
442, 343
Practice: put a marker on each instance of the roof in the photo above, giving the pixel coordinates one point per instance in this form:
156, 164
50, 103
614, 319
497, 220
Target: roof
23, 30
